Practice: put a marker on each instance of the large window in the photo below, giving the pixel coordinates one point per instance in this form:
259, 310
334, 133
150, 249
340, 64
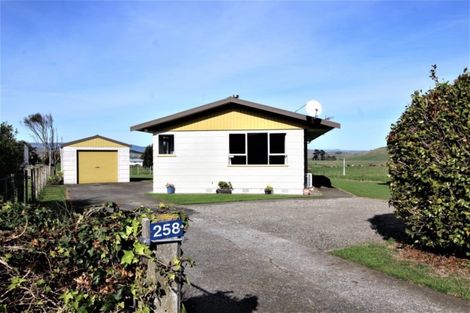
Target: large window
257, 148
166, 144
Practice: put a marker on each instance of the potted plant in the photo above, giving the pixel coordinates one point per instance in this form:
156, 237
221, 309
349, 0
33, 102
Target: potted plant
170, 188
224, 187
268, 190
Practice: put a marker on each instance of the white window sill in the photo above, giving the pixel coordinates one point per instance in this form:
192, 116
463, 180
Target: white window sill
258, 165
166, 155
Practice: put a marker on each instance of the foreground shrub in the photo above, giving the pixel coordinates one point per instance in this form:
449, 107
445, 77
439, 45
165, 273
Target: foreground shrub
65, 261
429, 166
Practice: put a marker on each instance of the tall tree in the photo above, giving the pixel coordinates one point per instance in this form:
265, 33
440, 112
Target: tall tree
11, 151
147, 156
42, 130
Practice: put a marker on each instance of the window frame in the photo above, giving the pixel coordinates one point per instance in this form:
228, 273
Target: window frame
160, 153
269, 154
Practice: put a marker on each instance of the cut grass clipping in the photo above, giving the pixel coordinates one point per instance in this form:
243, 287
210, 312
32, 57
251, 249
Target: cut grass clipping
382, 258
188, 198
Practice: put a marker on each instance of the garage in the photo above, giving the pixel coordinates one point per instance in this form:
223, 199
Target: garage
95, 159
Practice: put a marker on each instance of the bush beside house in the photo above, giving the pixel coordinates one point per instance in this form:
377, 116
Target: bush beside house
429, 165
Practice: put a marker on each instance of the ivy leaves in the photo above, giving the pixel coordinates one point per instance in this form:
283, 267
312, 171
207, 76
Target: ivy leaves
83, 262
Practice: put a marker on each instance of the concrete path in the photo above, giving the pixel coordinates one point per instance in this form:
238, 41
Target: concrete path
272, 256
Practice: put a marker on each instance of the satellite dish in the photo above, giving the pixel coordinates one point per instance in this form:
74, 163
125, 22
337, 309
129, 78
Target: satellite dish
313, 108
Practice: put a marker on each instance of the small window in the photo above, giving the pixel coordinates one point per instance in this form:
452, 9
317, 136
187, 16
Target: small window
237, 144
166, 144
277, 143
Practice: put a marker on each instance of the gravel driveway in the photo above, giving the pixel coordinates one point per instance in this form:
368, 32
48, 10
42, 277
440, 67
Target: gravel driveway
272, 256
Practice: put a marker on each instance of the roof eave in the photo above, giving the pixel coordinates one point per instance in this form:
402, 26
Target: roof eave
154, 126
93, 137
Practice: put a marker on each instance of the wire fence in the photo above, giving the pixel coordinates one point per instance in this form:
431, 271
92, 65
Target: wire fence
137, 170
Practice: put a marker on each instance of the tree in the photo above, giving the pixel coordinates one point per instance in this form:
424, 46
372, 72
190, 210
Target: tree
147, 156
429, 165
42, 130
11, 151
316, 154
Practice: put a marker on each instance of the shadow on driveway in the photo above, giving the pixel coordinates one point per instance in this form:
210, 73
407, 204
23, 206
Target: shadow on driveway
221, 301
389, 227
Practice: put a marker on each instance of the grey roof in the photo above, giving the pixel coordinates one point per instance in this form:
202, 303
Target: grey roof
308, 122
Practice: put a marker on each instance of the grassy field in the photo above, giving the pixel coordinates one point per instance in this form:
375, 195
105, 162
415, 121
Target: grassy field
365, 174
140, 173
182, 198
382, 258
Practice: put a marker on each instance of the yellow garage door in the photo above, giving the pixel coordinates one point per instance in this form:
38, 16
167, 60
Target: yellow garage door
97, 167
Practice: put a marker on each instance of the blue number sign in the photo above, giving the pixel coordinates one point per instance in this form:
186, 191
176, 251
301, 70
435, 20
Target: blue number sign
166, 231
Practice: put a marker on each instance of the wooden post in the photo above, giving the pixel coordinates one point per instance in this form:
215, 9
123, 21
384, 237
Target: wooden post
33, 184
170, 302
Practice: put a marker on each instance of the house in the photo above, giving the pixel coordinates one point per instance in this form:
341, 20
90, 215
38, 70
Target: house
95, 159
249, 144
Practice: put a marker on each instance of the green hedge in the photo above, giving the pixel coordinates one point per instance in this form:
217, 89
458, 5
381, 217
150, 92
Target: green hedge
429, 165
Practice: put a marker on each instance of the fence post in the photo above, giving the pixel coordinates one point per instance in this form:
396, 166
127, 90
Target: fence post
19, 186
33, 184
170, 301
25, 184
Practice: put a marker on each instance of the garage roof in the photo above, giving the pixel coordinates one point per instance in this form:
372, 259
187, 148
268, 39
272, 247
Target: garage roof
92, 138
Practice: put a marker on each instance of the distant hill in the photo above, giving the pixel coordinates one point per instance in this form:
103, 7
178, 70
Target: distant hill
337, 152
138, 148
376, 155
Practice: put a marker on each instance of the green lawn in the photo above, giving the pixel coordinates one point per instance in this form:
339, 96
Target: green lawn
53, 196
380, 257
52, 193
365, 174
368, 189
187, 198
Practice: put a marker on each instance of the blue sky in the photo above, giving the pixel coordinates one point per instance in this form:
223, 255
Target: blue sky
100, 67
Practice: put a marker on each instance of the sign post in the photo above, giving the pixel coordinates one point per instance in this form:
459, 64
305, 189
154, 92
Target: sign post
164, 239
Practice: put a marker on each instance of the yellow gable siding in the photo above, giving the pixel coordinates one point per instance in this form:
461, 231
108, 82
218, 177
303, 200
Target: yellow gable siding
97, 143
235, 120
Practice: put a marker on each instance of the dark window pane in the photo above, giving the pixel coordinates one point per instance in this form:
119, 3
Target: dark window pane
238, 159
258, 148
237, 143
166, 144
277, 143
277, 159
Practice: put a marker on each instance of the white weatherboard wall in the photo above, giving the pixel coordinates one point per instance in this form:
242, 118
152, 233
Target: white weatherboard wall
69, 162
200, 161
